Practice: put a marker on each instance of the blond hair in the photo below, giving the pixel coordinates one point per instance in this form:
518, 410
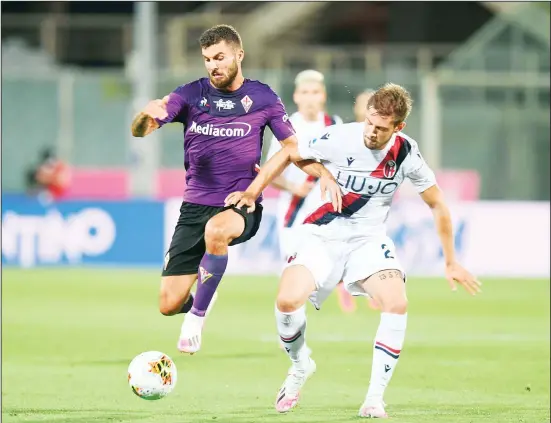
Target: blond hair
309, 75
391, 100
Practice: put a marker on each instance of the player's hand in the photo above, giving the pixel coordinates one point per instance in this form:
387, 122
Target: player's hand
240, 199
328, 184
455, 273
304, 189
157, 108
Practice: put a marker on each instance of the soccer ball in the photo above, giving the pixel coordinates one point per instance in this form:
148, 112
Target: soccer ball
152, 375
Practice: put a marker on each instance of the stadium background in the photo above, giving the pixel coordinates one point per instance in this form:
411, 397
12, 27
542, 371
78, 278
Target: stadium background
80, 275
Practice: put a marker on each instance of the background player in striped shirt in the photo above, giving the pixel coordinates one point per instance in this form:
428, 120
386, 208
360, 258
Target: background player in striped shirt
295, 201
370, 161
298, 197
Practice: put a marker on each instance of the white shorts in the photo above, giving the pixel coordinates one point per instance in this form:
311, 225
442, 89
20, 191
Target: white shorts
287, 242
332, 260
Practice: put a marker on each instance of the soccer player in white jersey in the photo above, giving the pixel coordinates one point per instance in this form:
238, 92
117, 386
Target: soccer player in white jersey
370, 161
298, 198
295, 201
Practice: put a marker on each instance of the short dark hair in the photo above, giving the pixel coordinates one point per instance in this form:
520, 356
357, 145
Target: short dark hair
220, 33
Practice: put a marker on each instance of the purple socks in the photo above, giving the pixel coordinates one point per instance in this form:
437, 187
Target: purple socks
211, 270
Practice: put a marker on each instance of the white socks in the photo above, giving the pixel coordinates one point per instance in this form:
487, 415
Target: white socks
386, 348
386, 351
292, 328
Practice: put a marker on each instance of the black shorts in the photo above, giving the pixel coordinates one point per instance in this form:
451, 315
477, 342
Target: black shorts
188, 241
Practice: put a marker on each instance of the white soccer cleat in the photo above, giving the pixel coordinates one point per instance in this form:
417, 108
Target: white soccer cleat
373, 409
190, 334
289, 393
192, 327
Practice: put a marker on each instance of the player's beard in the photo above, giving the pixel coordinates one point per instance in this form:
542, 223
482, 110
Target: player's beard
225, 82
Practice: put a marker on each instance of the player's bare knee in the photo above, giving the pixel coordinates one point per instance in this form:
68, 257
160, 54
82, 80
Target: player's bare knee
395, 305
287, 302
388, 289
287, 299
216, 235
297, 283
167, 307
170, 303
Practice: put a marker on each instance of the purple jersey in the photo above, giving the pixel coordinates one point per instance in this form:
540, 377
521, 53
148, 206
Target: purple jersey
223, 134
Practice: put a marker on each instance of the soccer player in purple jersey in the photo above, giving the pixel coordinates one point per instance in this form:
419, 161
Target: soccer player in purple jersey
224, 117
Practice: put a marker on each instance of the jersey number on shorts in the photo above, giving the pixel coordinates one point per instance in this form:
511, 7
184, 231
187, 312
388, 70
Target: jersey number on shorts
387, 252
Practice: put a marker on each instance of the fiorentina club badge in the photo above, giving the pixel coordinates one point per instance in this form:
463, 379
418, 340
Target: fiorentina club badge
390, 169
247, 103
204, 274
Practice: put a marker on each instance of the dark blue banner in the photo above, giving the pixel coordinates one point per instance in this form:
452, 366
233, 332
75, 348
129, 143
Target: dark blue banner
86, 233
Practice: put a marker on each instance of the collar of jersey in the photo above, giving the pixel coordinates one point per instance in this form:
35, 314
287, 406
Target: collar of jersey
385, 150
217, 92
390, 143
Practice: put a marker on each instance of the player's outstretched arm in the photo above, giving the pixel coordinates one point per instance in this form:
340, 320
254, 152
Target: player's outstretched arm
283, 184
144, 123
434, 198
311, 167
271, 169
316, 169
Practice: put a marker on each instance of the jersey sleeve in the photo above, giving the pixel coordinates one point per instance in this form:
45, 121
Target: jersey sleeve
176, 106
418, 171
279, 122
319, 148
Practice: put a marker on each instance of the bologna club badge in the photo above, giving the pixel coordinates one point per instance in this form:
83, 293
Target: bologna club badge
390, 169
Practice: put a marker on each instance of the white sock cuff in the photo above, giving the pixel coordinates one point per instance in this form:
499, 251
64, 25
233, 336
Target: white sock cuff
394, 321
290, 322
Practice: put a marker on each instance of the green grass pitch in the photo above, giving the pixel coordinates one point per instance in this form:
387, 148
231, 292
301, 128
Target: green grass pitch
69, 335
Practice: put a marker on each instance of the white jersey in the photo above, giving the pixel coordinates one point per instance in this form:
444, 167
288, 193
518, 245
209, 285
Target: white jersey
368, 178
292, 210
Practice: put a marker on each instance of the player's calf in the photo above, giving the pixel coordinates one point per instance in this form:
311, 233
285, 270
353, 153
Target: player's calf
220, 231
387, 287
394, 304
293, 292
174, 295
297, 283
